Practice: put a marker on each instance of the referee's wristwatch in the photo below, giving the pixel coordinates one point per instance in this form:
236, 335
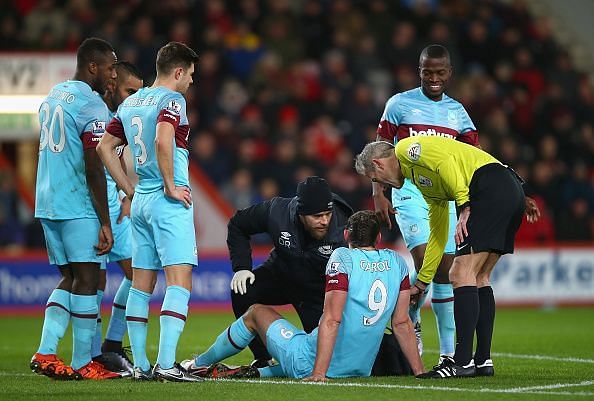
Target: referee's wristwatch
421, 285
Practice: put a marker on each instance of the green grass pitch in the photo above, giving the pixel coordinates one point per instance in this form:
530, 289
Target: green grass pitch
538, 355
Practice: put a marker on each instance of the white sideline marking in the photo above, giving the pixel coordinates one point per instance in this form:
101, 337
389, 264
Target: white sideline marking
558, 385
515, 390
16, 374
527, 356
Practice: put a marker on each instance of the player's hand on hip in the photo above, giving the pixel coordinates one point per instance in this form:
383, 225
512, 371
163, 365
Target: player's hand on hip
105, 240
532, 211
124, 209
181, 194
316, 377
383, 208
461, 230
240, 279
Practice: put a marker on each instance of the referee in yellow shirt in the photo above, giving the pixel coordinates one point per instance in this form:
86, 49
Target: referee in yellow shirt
491, 204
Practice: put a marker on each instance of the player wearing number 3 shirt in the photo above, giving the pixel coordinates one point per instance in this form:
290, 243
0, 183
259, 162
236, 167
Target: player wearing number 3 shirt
154, 124
365, 289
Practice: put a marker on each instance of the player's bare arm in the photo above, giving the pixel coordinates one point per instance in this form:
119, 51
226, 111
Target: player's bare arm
327, 332
125, 203
404, 333
107, 152
164, 150
98, 190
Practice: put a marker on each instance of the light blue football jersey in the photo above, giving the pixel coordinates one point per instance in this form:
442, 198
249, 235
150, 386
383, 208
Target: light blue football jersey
411, 113
138, 116
374, 280
70, 114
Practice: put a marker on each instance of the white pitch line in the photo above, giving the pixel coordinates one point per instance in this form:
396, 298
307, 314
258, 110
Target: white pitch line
16, 374
558, 385
533, 357
516, 390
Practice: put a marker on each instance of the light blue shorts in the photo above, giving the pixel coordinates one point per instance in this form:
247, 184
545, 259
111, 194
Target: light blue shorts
72, 241
122, 240
413, 220
162, 232
288, 345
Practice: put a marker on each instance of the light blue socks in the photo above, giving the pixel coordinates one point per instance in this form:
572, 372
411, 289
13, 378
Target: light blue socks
83, 311
55, 323
96, 347
137, 311
442, 303
117, 323
230, 342
173, 319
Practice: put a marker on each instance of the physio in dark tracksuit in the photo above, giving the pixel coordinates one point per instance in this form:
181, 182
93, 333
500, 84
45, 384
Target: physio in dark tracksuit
305, 230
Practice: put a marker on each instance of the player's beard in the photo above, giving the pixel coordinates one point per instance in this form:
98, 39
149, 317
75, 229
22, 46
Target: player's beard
319, 233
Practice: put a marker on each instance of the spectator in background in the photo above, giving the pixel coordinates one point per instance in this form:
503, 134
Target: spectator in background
239, 191
303, 64
575, 223
213, 160
46, 24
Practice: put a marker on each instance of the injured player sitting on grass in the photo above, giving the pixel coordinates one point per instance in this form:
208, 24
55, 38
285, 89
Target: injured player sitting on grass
359, 302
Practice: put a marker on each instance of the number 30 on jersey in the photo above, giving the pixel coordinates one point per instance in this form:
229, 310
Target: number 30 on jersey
47, 133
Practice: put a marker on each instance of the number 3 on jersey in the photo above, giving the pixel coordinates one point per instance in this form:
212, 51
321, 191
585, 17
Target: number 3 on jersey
378, 306
141, 148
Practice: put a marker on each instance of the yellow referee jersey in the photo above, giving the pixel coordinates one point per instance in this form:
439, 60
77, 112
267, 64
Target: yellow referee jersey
442, 170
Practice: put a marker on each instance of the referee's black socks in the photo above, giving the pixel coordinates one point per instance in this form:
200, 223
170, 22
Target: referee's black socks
484, 326
466, 315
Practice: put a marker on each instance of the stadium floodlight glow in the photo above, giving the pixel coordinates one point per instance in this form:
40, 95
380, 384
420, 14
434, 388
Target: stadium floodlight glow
20, 104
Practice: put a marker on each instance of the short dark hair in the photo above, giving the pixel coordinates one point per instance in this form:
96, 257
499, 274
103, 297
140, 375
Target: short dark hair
434, 51
129, 68
363, 227
92, 50
173, 55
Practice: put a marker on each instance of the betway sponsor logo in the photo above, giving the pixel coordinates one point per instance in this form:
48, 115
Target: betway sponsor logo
406, 130
428, 132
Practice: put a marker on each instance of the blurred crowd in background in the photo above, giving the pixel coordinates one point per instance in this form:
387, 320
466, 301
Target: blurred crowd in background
287, 89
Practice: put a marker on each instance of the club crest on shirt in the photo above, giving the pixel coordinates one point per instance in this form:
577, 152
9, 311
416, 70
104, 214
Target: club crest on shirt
174, 107
414, 151
98, 127
452, 117
333, 269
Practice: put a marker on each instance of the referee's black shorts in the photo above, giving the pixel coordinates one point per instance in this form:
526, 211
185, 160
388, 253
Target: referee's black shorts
497, 206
